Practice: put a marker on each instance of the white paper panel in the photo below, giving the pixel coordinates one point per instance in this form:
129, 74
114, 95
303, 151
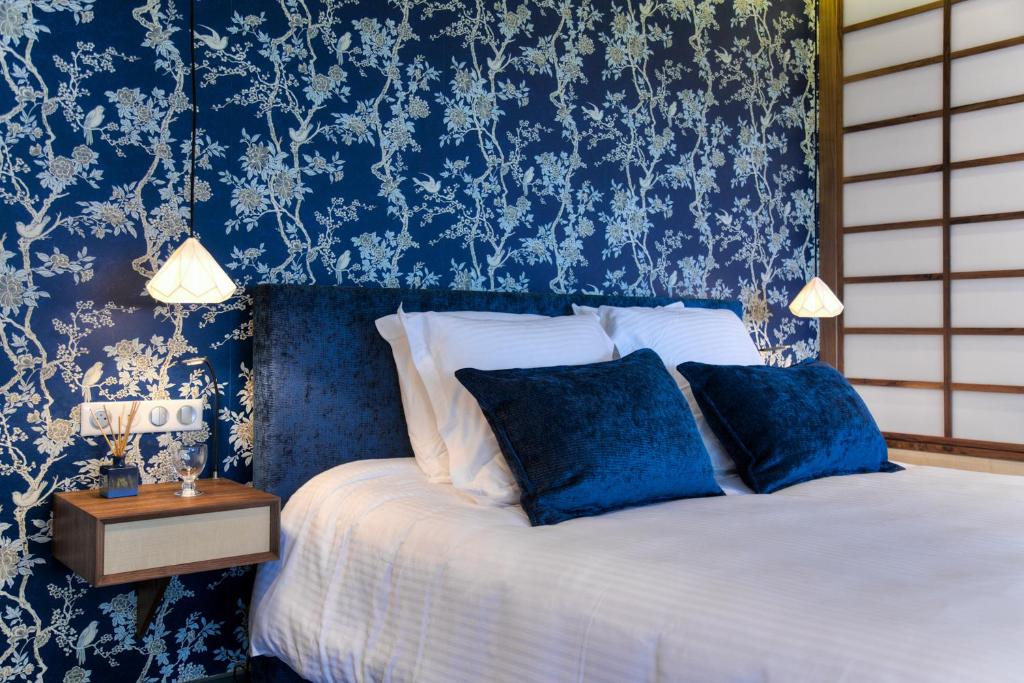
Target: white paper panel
988, 76
987, 246
988, 417
985, 21
994, 302
891, 356
988, 360
894, 199
987, 189
896, 42
988, 133
893, 252
893, 304
905, 411
856, 11
898, 94
893, 147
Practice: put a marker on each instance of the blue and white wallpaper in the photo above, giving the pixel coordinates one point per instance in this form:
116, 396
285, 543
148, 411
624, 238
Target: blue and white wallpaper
635, 146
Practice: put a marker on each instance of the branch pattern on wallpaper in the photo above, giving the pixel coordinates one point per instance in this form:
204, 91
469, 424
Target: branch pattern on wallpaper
660, 146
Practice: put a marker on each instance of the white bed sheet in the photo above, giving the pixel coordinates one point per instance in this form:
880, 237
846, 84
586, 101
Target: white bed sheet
914, 576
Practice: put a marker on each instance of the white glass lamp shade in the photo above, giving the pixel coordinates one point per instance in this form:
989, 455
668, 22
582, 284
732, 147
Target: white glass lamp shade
816, 300
191, 276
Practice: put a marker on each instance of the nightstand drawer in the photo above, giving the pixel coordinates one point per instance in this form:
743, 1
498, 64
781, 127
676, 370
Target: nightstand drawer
167, 541
158, 534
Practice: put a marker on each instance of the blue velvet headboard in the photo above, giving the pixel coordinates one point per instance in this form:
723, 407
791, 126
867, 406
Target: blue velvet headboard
326, 391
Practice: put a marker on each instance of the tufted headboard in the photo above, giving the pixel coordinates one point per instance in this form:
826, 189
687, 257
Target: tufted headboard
326, 390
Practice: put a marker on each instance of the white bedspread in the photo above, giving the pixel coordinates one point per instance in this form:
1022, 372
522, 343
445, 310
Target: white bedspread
915, 576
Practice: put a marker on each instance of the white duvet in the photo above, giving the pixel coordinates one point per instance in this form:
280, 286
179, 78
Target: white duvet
914, 576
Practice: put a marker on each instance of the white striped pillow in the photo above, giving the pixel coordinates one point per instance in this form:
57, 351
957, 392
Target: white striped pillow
602, 311
427, 445
441, 344
705, 335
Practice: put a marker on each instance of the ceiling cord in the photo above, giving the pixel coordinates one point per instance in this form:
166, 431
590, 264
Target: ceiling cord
195, 105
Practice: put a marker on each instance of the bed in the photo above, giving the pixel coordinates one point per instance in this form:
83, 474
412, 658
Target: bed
917, 575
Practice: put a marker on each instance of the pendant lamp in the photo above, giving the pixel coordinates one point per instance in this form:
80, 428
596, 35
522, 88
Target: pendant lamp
816, 300
191, 275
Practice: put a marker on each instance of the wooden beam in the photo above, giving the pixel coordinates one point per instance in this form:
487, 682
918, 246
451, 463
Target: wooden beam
926, 384
901, 383
893, 16
968, 447
986, 274
895, 173
934, 114
907, 277
893, 330
936, 59
830, 168
947, 235
963, 331
900, 225
987, 218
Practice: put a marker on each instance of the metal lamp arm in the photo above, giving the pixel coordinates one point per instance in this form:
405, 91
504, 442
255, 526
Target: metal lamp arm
216, 417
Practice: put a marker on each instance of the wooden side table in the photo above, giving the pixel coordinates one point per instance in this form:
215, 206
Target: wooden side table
148, 538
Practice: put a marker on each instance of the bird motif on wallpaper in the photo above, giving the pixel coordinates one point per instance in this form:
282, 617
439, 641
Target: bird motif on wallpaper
341, 265
90, 379
33, 229
527, 180
301, 134
429, 185
30, 497
495, 64
214, 40
85, 639
496, 259
594, 113
93, 121
344, 43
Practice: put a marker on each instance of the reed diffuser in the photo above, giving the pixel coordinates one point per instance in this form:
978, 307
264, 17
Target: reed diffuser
118, 479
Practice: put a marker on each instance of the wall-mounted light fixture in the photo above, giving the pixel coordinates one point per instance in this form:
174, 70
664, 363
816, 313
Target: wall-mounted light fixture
191, 275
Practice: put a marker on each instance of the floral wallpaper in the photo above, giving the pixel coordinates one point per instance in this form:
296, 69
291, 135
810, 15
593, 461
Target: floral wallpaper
634, 146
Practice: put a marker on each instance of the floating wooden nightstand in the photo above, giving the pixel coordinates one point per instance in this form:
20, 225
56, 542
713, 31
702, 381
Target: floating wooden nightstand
155, 535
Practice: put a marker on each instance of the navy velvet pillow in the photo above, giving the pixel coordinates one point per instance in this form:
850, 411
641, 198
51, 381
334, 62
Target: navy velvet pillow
784, 426
583, 440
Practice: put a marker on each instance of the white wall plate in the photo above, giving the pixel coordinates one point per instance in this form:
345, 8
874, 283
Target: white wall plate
185, 415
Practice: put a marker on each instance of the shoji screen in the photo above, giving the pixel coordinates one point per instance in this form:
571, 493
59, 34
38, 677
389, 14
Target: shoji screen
930, 206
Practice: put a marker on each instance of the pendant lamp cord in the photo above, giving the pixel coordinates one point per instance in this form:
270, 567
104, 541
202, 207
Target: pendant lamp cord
195, 106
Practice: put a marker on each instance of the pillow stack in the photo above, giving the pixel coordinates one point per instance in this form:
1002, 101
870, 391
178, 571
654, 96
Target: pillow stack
613, 407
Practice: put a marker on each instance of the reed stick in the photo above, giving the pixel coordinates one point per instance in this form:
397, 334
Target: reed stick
118, 441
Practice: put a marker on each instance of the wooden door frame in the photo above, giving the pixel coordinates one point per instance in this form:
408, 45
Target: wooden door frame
830, 155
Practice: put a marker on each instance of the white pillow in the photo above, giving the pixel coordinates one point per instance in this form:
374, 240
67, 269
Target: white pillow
705, 335
427, 444
602, 311
441, 344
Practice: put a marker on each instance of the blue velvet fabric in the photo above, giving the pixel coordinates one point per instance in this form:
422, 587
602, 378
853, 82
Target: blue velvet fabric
326, 389
784, 426
583, 440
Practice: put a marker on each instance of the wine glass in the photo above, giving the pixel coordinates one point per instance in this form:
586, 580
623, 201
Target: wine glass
189, 463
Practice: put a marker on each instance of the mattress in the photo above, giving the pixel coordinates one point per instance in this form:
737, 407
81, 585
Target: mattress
913, 576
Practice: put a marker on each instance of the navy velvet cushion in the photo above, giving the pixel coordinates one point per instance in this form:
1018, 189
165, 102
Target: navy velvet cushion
583, 440
784, 426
